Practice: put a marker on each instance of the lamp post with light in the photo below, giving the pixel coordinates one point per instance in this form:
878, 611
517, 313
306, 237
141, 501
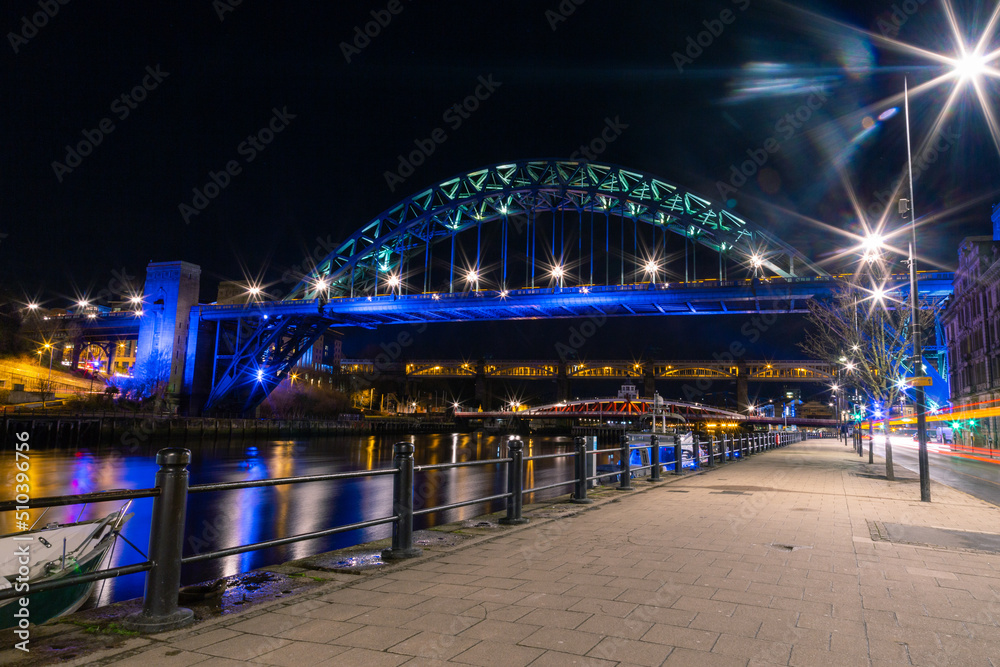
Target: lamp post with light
48, 381
919, 397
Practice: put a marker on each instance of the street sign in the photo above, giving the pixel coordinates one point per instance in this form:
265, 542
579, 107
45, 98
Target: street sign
922, 381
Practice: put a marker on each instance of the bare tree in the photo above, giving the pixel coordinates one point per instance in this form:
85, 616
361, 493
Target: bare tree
869, 330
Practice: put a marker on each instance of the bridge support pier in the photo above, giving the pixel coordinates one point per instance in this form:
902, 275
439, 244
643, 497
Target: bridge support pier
742, 391
648, 380
484, 393
562, 381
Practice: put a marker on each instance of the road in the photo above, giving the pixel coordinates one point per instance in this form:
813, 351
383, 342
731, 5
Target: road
18, 370
977, 478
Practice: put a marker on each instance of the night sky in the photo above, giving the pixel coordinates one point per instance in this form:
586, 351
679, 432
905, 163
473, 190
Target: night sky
211, 75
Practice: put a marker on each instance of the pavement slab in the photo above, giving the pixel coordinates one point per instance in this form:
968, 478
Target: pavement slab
797, 556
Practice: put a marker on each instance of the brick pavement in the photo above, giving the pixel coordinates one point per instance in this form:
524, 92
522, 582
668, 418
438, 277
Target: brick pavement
770, 561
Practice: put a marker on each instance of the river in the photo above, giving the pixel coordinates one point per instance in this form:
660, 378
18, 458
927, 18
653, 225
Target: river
224, 519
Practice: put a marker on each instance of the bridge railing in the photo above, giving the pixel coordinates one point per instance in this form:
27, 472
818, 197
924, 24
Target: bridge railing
171, 495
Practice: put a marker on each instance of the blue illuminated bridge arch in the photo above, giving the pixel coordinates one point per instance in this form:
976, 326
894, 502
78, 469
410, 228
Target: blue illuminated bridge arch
522, 240
528, 202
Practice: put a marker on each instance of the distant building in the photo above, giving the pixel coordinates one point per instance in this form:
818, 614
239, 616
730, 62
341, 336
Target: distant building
972, 325
628, 392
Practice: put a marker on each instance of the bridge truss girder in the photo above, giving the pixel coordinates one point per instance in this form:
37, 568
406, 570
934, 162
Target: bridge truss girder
254, 354
520, 369
386, 245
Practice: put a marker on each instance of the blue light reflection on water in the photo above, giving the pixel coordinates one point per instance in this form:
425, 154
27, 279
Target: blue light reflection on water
217, 520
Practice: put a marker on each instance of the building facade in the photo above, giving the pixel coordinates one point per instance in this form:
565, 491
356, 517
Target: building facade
972, 324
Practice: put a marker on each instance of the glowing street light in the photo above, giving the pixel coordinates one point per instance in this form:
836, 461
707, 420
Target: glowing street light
971, 66
135, 300
393, 282
473, 277
653, 268
32, 306
557, 273
83, 303
871, 246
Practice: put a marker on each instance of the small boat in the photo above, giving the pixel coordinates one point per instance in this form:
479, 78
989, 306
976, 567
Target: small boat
56, 551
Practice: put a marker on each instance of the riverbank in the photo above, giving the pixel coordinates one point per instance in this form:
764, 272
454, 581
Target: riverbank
128, 429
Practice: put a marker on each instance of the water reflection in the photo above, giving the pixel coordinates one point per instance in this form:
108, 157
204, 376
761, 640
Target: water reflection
222, 519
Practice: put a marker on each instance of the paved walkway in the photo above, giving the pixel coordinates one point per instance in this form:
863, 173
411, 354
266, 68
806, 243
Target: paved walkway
771, 561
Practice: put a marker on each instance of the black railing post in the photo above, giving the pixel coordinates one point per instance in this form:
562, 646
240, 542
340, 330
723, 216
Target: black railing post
654, 456
580, 495
402, 505
678, 467
160, 612
695, 451
711, 452
625, 478
515, 483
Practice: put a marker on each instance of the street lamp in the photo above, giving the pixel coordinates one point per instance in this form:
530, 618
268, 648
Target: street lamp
557, 273
918, 356
48, 382
652, 267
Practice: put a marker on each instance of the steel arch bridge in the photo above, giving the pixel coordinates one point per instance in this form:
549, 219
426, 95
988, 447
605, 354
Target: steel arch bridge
390, 252
539, 238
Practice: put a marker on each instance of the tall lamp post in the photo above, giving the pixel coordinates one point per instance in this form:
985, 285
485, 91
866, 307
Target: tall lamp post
48, 382
918, 356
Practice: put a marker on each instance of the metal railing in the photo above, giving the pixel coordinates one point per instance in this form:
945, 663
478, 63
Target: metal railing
171, 494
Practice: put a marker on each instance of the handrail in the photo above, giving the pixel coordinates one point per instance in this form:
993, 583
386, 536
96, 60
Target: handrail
278, 481
462, 464
540, 457
464, 503
232, 551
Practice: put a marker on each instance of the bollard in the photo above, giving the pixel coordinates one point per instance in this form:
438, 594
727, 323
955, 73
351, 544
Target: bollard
515, 484
654, 456
166, 542
727, 453
625, 478
580, 494
402, 505
678, 468
711, 452
695, 451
